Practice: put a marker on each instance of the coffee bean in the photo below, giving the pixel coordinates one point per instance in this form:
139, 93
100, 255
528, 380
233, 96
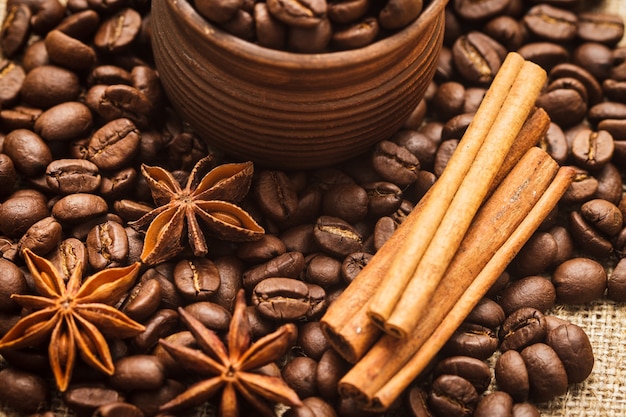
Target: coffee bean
118, 409
114, 144
119, 101
487, 313
506, 31
572, 345
322, 270
287, 265
512, 376
196, 279
419, 144
35, 55
137, 372
68, 52
39, 92
604, 215
600, 27
346, 11
218, 12
80, 25
398, 13
346, 201
29, 153
583, 187
357, 35
452, 395
15, 29
143, 300
592, 150
494, 404
298, 13
522, 328
477, 57
551, 23
353, 264
66, 121
565, 106
312, 340
474, 370
479, 11
270, 32
531, 291
579, 281
84, 399
211, 315
536, 256
395, 163
107, 245
149, 401
548, 55
19, 385
79, 207
42, 237
161, 324
588, 237
336, 237
118, 32
616, 283
472, 340
275, 195
19, 213
299, 373
525, 410
286, 299
330, 369
546, 373
444, 153
12, 281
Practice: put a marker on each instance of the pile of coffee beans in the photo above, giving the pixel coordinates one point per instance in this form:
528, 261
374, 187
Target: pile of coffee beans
310, 26
81, 108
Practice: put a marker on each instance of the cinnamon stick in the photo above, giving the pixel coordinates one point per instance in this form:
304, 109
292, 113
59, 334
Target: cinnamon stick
409, 307
346, 324
497, 219
388, 393
431, 213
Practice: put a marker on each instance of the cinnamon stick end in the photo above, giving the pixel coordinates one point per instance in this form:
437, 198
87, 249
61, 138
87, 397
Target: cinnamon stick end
340, 344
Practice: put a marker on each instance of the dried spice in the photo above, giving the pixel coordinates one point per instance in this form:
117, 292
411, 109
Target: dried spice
233, 370
208, 196
74, 316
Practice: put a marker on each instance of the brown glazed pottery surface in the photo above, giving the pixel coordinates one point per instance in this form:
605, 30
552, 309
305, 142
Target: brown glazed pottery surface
291, 110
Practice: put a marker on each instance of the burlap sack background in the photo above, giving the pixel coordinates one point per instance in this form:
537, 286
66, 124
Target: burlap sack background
603, 394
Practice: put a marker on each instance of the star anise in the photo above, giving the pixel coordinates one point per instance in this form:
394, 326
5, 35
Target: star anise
73, 316
233, 370
208, 196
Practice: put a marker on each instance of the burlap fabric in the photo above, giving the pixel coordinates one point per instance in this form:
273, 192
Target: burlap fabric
603, 393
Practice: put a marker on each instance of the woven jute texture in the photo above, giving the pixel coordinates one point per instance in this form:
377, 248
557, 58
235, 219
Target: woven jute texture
603, 393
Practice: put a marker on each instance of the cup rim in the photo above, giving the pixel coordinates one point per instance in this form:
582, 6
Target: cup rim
303, 61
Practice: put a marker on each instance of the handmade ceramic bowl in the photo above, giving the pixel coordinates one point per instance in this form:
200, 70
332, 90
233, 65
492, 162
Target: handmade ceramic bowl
291, 110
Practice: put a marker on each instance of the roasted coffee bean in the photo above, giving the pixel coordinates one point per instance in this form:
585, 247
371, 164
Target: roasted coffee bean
593, 87
275, 195
346, 201
548, 55
572, 345
137, 372
69, 52
322, 270
218, 12
616, 282
261, 250
395, 163
298, 13
449, 100
536, 256
312, 340
107, 245
37, 91
161, 324
330, 369
531, 291
114, 144
353, 264
270, 32
211, 315
522, 328
123, 101
600, 27
19, 117
357, 35
604, 215
551, 23
505, 30
15, 29
417, 402
118, 409
312, 407
579, 281
546, 373
592, 150
383, 230
80, 25
108, 75
12, 281
42, 237
288, 265
84, 399
29, 153
143, 300
149, 401
525, 410
444, 153
336, 237
607, 110
512, 376
70, 253
79, 207
19, 385
8, 175
583, 187
452, 395
565, 106
68, 176
20, 212
474, 370
477, 57
196, 278
398, 13
595, 58
310, 39
473, 10
494, 404
299, 373
609, 184
419, 144
12, 79
286, 299
66, 121
118, 32
35, 55
564, 243
472, 340
486, 313
350, 11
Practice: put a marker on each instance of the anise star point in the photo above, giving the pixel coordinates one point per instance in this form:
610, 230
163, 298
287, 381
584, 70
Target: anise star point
208, 199
232, 370
73, 316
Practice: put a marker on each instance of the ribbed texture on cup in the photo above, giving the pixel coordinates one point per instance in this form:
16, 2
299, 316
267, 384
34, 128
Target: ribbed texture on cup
287, 110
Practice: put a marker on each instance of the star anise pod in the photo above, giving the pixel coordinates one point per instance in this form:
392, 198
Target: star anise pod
208, 196
73, 316
233, 370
